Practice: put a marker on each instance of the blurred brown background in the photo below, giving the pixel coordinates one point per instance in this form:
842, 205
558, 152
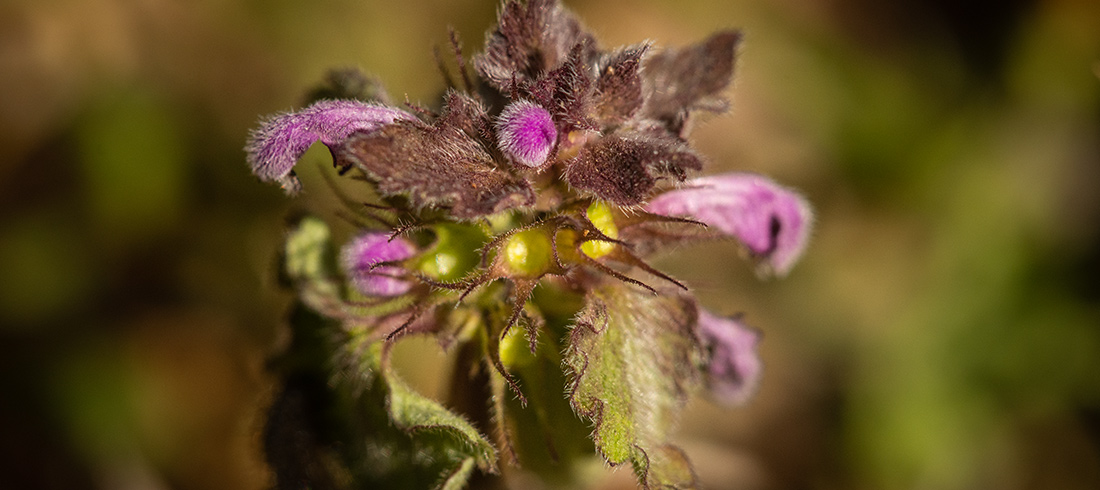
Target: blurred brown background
943, 331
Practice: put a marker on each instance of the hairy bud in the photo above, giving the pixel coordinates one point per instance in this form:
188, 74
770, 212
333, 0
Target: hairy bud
526, 133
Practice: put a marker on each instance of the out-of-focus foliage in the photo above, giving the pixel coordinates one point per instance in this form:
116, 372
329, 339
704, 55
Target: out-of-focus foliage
942, 332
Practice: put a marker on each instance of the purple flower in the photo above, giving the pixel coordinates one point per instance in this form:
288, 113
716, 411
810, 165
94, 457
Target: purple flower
734, 370
773, 222
276, 146
360, 257
526, 133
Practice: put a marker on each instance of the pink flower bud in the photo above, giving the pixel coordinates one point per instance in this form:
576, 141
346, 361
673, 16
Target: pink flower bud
361, 256
526, 133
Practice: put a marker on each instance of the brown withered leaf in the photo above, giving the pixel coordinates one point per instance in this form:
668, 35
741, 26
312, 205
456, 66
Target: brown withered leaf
623, 168
530, 38
690, 78
619, 85
438, 165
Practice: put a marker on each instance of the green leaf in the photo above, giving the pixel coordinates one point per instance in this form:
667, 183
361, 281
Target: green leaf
457, 479
344, 419
309, 263
633, 358
308, 253
420, 415
444, 443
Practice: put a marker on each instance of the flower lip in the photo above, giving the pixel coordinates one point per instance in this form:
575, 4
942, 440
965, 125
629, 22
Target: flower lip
772, 222
360, 259
275, 147
526, 133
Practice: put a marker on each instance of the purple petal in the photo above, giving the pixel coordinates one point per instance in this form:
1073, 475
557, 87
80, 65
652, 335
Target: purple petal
526, 133
279, 142
360, 256
773, 222
734, 370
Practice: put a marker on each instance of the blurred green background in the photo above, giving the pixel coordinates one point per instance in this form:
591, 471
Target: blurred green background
942, 332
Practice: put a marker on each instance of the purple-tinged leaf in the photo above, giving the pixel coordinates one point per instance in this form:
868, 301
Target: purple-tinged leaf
526, 133
568, 90
438, 165
624, 168
773, 222
619, 85
361, 256
681, 80
530, 39
275, 147
734, 368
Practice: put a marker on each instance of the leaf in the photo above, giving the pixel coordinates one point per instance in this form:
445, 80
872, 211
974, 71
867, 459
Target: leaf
668, 467
344, 419
441, 165
309, 263
567, 89
457, 479
633, 358
690, 78
619, 85
418, 414
530, 39
624, 168
403, 431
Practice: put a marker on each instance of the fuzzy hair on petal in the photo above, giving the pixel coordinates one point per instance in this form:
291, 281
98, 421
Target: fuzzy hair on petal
275, 147
772, 221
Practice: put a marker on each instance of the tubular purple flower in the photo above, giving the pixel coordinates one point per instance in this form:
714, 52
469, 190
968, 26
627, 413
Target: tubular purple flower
275, 147
734, 370
361, 255
526, 133
773, 222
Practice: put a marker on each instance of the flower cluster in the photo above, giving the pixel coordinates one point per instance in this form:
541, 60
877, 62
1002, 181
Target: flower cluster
532, 197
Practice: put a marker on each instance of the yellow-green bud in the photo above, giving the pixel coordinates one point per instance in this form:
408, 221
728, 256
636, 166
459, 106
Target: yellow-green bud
602, 217
515, 350
456, 252
529, 253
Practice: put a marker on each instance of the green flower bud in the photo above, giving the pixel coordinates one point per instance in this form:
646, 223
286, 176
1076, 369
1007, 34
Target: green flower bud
601, 216
515, 350
529, 253
456, 252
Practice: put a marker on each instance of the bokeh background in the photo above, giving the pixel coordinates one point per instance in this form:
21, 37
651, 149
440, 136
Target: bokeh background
942, 332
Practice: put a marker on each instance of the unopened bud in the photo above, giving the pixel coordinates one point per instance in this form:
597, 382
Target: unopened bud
526, 133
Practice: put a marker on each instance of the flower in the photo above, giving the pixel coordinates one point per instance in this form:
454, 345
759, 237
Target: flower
734, 369
773, 222
275, 147
535, 190
361, 258
526, 133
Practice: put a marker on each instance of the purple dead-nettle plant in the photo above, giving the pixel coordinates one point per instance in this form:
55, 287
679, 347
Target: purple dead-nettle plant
513, 223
